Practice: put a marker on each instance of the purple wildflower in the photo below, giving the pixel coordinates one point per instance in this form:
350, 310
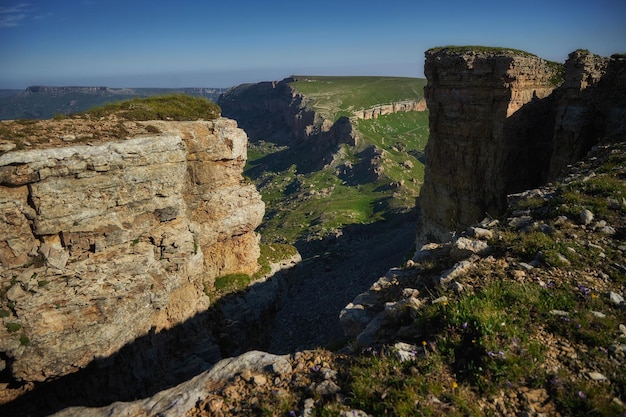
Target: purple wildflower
582, 394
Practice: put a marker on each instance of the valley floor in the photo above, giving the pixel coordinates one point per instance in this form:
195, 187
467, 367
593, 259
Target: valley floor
331, 275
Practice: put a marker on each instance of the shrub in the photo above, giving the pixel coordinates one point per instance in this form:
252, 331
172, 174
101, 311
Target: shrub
13, 327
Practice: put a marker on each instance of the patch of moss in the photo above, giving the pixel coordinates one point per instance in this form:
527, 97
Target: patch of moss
13, 327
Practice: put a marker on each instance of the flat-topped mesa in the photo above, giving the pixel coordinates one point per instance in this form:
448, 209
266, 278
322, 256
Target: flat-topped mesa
106, 242
474, 156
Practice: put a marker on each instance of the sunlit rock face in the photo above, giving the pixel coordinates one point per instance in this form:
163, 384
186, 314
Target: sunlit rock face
106, 242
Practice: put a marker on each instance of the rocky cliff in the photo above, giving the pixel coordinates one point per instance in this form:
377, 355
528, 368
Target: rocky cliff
499, 124
109, 241
276, 112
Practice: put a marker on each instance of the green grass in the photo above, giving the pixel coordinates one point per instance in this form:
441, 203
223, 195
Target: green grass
230, 283
168, 107
334, 97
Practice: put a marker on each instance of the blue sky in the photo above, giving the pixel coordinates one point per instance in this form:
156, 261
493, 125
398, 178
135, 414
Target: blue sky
155, 43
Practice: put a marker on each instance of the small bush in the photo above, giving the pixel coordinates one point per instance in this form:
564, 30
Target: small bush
13, 327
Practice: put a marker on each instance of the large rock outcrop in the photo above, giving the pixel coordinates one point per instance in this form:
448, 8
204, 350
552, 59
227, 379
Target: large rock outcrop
499, 125
107, 242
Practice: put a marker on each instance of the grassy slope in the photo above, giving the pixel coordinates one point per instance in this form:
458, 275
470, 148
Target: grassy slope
310, 206
341, 96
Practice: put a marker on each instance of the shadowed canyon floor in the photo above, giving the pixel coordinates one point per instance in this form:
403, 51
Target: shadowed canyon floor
330, 278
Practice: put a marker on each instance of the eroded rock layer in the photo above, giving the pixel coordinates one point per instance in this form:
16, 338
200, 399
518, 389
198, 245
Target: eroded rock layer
106, 242
499, 125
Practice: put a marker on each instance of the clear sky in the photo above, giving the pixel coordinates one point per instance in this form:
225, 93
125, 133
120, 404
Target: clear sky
210, 43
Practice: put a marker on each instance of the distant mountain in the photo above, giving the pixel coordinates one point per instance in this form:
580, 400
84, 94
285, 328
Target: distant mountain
44, 102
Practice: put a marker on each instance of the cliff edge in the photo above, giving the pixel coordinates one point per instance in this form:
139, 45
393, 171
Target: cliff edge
107, 240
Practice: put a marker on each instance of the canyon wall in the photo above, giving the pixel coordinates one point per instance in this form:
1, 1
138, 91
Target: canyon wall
276, 112
383, 109
499, 124
105, 242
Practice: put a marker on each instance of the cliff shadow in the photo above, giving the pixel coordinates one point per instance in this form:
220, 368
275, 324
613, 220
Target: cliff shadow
333, 272
236, 323
529, 144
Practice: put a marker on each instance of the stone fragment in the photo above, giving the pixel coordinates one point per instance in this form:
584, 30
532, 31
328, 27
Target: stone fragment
596, 376
480, 233
608, 230
354, 318
441, 300
464, 247
520, 222
455, 272
405, 352
353, 413
410, 293
309, 407
560, 313
327, 388
615, 298
457, 287
526, 266
586, 217
54, 255
16, 293
259, 380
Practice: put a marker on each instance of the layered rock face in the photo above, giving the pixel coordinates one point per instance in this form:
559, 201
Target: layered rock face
104, 243
499, 125
591, 105
470, 94
276, 112
383, 109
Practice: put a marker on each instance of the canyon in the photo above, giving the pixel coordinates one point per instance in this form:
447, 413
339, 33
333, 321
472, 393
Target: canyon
108, 246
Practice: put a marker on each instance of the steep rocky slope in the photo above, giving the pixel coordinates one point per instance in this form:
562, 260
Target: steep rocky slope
499, 125
116, 238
